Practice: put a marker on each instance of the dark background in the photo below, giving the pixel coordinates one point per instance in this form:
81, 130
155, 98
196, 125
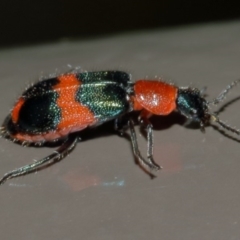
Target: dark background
27, 22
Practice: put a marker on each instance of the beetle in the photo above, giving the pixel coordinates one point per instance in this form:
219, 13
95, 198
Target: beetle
59, 107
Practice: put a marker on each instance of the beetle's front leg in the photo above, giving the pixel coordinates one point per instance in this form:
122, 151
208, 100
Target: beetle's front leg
145, 162
146, 124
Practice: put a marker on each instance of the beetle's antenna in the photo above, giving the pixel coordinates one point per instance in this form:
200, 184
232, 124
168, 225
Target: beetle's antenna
223, 94
214, 118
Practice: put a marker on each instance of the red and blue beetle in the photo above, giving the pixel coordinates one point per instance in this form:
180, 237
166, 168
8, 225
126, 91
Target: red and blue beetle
58, 108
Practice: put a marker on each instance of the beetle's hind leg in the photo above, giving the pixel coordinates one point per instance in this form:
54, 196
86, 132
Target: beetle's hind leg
67, 146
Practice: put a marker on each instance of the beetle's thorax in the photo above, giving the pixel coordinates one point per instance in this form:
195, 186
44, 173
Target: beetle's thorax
156, 97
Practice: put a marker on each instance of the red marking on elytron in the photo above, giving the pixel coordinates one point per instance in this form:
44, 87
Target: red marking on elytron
156, 97
45, 137
50, 136
16, 109
74, 116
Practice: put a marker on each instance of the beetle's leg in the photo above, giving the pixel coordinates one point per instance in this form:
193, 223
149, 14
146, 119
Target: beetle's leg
136, 151
148, 126
121, 125
67, 146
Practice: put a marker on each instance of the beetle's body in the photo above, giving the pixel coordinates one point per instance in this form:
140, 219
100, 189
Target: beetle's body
55, 108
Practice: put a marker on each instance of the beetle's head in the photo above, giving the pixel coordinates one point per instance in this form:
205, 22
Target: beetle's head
193, 105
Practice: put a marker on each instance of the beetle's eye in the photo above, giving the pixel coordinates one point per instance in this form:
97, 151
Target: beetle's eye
193, 111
